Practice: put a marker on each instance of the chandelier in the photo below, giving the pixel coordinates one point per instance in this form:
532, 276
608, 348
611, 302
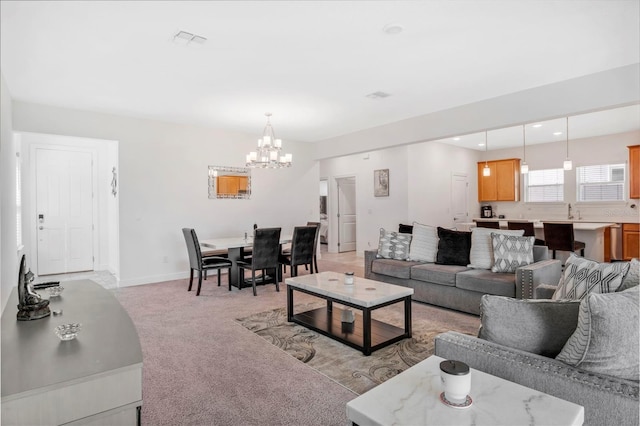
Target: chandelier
268, 154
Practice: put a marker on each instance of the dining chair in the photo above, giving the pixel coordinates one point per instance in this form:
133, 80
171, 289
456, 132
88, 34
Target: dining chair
199, 263
528, 229
560, 236
488, 224
301, 249
315, 244
266, 249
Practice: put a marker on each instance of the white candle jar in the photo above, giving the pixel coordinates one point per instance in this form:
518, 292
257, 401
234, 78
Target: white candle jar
456, 381
348, 278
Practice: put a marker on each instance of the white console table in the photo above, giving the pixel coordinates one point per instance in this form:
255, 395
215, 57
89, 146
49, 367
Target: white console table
95, 379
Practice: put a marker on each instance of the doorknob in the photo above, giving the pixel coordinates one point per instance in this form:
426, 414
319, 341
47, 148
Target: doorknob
41, 227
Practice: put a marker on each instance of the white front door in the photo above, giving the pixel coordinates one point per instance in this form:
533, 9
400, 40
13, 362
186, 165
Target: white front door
459, 193
346, 214
64, 210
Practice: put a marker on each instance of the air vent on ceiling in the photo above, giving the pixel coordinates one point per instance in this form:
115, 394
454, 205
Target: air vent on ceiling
378, 95
185, 37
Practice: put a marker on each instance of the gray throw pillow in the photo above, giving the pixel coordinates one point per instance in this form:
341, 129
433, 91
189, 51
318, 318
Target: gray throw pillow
632, 278
511, 252
537, 326
607, 339
582, 276
424, 243
481, 253
393, 245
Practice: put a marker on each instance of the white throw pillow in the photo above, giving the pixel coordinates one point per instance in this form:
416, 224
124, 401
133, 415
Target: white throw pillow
481, 254
424, 243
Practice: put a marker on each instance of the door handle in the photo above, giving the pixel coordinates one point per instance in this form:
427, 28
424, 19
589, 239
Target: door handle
41, 227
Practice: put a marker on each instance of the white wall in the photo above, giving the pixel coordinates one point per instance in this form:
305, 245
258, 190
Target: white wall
8, 227
608, 149
163, 184
372, 212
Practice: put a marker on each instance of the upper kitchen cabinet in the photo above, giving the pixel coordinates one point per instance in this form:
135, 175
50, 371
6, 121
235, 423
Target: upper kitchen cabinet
504, 182
634, 171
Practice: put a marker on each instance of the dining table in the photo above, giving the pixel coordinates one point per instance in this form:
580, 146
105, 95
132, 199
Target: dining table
236, 247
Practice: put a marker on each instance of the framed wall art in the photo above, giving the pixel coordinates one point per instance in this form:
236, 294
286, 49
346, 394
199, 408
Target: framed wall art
381, 183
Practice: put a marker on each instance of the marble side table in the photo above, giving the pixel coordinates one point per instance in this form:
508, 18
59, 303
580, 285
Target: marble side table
413, 398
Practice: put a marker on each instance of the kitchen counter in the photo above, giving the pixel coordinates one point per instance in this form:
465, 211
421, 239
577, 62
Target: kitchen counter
591, 233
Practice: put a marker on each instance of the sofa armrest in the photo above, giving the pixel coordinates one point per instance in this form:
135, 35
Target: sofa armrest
606, 399
369, 257
545, 291
531, 276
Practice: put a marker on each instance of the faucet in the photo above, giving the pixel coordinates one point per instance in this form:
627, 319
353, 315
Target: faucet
569, 215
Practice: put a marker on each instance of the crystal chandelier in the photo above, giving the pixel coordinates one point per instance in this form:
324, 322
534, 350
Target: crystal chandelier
268, 154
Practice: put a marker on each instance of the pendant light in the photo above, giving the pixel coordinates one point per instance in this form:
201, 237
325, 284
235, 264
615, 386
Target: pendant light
486, 171
524, 167
568, 165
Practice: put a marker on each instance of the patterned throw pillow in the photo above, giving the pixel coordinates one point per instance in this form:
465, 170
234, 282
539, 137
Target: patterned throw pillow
393, 245
481, 254
582, 276
632, 278
511, 252
424, 243
607, 338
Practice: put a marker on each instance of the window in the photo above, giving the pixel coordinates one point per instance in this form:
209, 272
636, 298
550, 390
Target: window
603, 182
544, 186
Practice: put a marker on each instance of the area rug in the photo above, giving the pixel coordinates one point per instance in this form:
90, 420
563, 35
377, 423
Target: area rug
345, 365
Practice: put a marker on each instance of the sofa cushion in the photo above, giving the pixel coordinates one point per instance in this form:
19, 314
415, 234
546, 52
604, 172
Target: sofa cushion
632, 277
424, 243
481, 253
511, 252
393, 245
484, 281
607, 337
582, 276
393, 268
537, 326
437, 274
453, 247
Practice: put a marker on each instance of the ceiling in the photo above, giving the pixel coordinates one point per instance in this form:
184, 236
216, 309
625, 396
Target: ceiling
310, 63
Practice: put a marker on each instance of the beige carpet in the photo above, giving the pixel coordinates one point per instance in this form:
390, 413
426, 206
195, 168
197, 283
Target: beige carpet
348, 366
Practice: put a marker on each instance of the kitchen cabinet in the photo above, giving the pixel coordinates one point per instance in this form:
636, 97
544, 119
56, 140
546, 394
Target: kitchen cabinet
630, 240
634, 171
504, 182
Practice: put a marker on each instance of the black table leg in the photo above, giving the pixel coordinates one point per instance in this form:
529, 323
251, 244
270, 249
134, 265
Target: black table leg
366, 331
289, 303
407, 315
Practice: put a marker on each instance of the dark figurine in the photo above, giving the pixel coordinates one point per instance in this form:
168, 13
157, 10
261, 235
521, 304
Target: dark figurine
30, 305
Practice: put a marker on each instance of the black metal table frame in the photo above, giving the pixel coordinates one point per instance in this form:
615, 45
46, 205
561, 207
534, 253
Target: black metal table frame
366, 347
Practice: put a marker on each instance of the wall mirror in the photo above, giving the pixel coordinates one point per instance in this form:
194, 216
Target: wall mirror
229, 182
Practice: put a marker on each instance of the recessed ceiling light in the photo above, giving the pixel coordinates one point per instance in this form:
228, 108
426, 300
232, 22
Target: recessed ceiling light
378, 95
186, 38
480, 144
392, 29
557, 133
537, 125
456, 139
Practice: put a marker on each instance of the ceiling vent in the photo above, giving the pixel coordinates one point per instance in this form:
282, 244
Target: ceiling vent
184, 37
378, 95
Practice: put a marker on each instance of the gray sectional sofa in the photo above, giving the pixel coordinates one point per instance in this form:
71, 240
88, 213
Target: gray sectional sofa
459, 287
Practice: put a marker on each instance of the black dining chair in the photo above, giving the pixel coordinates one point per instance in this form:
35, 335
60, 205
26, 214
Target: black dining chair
301, 249
488, 224
199, 263
528, 229
560, 237
266, 249
315, 244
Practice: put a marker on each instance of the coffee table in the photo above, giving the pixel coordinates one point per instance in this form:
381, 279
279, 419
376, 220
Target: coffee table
366, 334
413, 398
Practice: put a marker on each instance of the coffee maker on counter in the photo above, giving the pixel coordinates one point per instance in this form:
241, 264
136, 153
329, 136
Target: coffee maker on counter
486, 212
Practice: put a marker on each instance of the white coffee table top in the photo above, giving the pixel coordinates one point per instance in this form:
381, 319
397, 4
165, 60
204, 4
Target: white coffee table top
363, 292
412, 398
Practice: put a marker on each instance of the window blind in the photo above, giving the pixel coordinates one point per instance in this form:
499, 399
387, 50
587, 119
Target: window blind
603, 182
544, 185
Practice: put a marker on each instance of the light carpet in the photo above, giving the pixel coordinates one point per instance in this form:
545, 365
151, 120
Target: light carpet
347, 366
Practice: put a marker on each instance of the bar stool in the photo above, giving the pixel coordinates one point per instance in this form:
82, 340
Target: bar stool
559, 236
488, 224
527, 227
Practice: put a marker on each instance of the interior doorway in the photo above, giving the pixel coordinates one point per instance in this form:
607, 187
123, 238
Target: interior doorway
459, 197
346, 214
